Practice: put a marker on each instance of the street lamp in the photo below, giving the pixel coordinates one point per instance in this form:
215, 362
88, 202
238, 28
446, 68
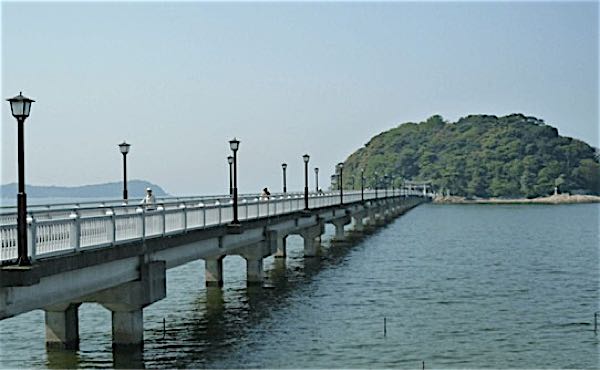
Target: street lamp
20, 107
306, 158
284, 167
385, 184
362, 184
230, 161
124, 148
234, 145
341, 167
376, 183
317, 179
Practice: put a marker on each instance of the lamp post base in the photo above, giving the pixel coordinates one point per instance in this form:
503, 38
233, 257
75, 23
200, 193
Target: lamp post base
306, 213
234, 228
23, 261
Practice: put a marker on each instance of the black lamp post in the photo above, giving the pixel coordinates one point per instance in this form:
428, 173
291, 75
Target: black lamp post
124, 148
234, 145
393, 190
283, 168
362, 185
230, 161
306, 158
385, 184
341, 168
20, 107
317, 179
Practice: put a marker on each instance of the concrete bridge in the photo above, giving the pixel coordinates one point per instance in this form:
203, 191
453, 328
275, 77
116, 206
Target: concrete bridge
117, 254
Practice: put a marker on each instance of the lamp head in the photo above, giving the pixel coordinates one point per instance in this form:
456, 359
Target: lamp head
234, 144
20, 106
124, 147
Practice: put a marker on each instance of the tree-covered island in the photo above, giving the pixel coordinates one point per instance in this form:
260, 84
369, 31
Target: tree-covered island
479, 156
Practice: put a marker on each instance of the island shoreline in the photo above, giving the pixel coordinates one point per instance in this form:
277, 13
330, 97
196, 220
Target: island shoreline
553, 199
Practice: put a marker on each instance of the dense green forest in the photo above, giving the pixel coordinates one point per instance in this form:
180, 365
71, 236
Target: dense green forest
479, 155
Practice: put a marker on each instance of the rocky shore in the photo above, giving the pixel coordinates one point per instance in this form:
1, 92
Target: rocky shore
553, 199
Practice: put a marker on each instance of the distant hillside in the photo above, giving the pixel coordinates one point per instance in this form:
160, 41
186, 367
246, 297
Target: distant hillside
111, 190
480, 155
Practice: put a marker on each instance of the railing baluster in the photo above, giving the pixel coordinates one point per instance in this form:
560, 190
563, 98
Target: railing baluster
113, 229
32, 239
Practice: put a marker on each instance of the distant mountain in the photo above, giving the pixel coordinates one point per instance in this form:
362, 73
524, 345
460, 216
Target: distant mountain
111, 190
479, 155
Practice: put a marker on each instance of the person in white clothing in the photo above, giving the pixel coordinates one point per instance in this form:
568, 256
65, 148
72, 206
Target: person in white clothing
149, 200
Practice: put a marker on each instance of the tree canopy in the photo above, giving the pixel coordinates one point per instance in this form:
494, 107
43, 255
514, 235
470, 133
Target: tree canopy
479, 155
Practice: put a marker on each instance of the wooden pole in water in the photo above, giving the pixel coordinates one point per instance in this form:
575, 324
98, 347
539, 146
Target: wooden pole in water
423, 365
384, 326
164, 327
595, 322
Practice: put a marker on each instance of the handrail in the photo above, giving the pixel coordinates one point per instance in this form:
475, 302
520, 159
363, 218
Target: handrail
73, 230
120, 202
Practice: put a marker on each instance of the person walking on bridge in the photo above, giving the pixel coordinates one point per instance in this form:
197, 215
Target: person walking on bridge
149, 200
265, 194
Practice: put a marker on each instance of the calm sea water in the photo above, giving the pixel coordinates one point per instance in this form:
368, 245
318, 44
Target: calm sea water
459, 287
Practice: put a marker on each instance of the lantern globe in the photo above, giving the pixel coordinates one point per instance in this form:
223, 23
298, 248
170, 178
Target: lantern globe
20, 106
124, 147
234, 144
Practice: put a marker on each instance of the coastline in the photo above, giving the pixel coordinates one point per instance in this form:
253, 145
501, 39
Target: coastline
552, 199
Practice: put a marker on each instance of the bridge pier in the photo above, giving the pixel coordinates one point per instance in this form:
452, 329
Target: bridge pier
62, 326
213, 271
358, 222
254, 270
127, 326
339, 226
254, 255
281, 247
311, 246
372, 216
127, 301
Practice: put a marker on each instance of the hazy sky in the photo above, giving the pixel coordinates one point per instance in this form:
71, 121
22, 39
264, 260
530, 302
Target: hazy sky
178, 80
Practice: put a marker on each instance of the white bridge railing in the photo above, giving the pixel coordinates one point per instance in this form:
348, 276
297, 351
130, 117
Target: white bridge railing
60, 230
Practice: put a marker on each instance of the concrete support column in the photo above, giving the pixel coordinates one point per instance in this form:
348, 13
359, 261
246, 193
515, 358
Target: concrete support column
128, 328
126, 303
311, 246
339, 230
339, 226
358, 223
254, 271
62, 326
213, 271
281, 247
